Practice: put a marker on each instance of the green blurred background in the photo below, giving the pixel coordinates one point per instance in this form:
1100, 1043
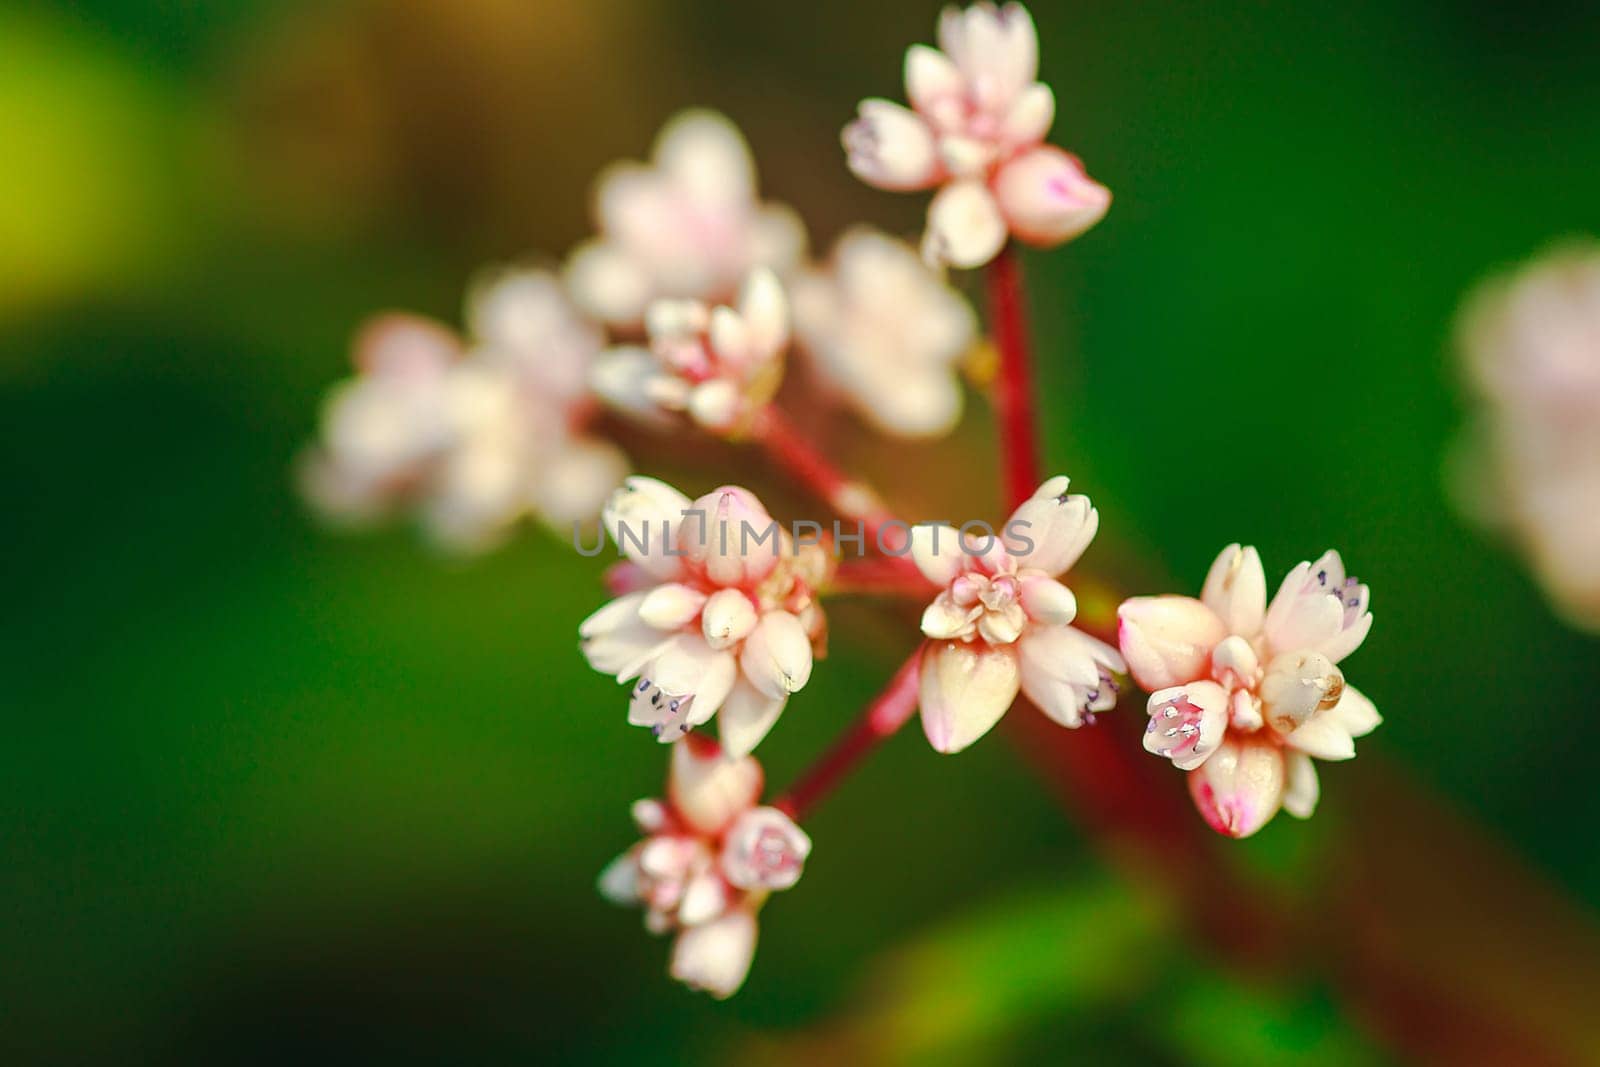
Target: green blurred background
272, 795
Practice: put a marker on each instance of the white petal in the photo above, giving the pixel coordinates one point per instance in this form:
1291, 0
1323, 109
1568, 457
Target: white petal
704, 898
1051, 529
936, 550
707, 158
944, 618
930, 78
728, 618
1295, 686
606, 283
777, 655
891, 147
1356, 713
1048, 601
715, 405
1030, 116
1167, 639
670, 606
690, 667
965, 228
1301, 789
1325, 737
642, 518
746, 718
964, 691
765, 311
619, 882
715, 957
1236, 589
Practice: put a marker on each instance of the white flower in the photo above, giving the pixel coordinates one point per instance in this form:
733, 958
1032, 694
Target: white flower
1531, 345
474, 437
1243, 693
886, 332
1002, 622
725, 617
686, 226
717, 366
975, 129
708, 861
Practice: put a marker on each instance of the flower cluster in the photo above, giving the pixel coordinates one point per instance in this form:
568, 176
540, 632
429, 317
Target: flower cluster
975, 130
474, 434
1531, 346
1003, 623
680, 313
720, 613
1244, 693
709, 859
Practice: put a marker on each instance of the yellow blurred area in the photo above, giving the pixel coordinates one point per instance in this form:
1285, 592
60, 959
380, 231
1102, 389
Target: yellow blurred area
90, 187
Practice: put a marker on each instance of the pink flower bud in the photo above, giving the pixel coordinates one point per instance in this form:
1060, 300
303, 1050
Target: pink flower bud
1167, 640
1047, 198
764, 849
890, 147
1239, 789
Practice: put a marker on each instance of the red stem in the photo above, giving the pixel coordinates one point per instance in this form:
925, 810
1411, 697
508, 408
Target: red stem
1013, 387
890, 710
887, 576
851, 499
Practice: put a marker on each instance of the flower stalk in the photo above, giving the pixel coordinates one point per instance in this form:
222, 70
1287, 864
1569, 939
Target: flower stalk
884, 717
1013, 387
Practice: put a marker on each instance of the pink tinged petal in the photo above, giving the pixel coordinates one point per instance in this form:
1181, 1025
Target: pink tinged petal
1047, 198
728, 618
708, 788
945, 619
704, 898
765, 311
1244, 712
1306, 620
1167, 640
1030, 116
964, 691
1051, 530
706, 157
1235, 664
747, 716
1301, 789
936, 550
671, 606
1296, 686
646, 512
1239, 789
726, 535
1236, 589
891, 147
1047, 601
715, 957
965, 228
931, 79
1187, 723
764, 849
1350, 638
777, 655
619, 882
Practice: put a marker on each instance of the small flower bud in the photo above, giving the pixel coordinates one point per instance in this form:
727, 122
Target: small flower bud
707, 787
777, 655
1238, 790
728, 618
715, 956
764, 849
1048, 198
1296, 686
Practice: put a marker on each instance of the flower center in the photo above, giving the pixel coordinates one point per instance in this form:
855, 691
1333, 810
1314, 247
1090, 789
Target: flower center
1176, 722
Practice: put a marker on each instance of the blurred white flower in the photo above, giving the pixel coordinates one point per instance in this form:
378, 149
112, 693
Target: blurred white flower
975, 130
886, 332
471, 439
687, 225
723, 617
1003, 623
1530, 342
715, 365
1243, 693
708, 861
